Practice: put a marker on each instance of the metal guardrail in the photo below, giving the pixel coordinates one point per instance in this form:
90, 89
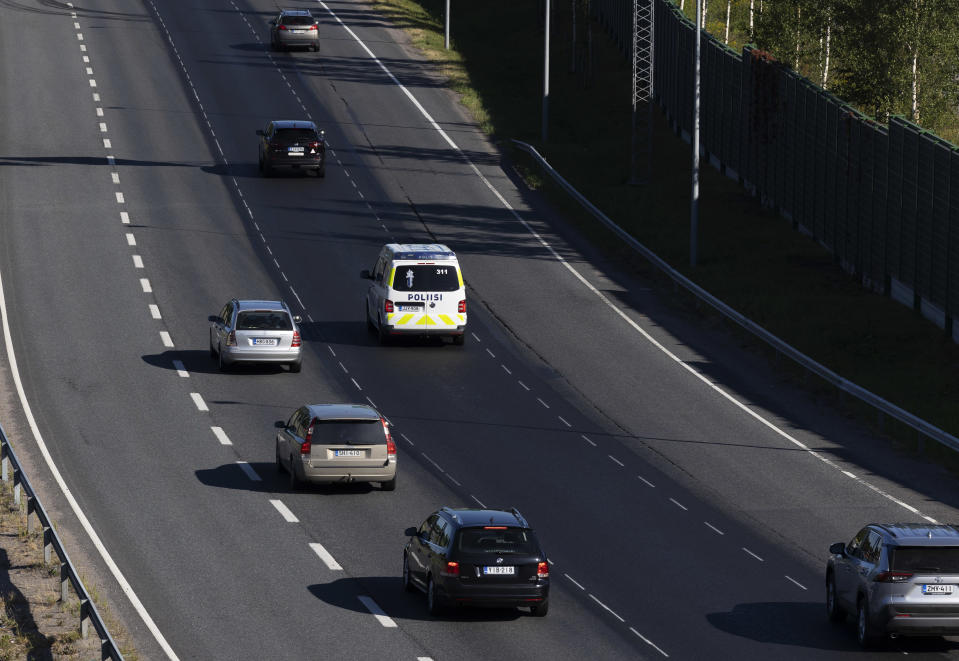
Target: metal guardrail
844, 385
51, 544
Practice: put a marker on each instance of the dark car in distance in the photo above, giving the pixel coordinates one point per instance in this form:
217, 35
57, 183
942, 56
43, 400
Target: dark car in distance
292, 144
477, 557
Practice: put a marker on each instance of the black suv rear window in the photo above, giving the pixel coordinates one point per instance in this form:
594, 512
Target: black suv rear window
496, 540
292, 136
264, 320
357, 432
938, 559
423, 277
297, 20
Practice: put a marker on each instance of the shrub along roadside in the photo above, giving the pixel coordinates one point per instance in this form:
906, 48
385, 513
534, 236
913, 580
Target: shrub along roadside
749, 257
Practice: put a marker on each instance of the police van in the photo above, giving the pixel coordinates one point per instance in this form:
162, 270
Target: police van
416, 289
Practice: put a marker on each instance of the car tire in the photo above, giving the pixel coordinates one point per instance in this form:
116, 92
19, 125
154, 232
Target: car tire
834, 611
295, 481
221, 364
279, 462
407, 581
296, 367
212, 349
433, 604
389, 486
369, 321
540, 609
459, 340
866, 632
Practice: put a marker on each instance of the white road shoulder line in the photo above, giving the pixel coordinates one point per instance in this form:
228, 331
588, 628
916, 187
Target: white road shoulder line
377, 612
284, 511
325, 556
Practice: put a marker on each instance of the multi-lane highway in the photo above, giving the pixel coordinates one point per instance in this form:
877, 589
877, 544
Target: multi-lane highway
686, 495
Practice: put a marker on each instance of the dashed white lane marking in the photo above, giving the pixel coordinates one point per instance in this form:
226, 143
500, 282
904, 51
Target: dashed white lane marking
114, 177
424, 658
525, 387
614, 613
137, 262
646, 482
475, 337
752, 554
714, 528
792, 580
563, 420
112, 161
679, 504
453, 480
649, 642
506, 369
325, 556
99, 112
154, 311
96, 95
180, 369
76, 25
79, 36
355, 383
542, 402
221, 436
478, 501
848, 474
145, 284
377, 612
248, 469
574, 582
166, 339
588, 440
131, 240
372, 403
103, 127
124, 217
120, 198
616, 461
425, 456
198, 400
343, 367
284, 511
404, 437
491, 353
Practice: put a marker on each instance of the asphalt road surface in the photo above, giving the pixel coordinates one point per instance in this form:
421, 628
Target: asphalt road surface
684, 493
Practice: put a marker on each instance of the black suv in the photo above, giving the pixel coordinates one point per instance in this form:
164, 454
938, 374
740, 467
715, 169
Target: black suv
477, 557
295, 144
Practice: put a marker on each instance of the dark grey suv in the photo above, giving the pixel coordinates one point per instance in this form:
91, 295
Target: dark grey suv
292, 144
897, 578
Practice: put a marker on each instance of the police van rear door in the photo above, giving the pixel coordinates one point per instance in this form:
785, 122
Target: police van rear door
427, 296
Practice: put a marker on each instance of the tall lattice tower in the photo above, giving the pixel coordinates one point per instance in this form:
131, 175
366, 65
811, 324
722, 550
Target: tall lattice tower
642, 138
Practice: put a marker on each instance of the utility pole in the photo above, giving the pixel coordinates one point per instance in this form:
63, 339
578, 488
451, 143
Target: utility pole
694, 203
545, 75
446, 20
643, 41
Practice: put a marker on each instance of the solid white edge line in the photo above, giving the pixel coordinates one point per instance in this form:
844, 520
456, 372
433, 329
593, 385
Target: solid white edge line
74, 505
574, 581
248, 469
377, 612
325, 556
614, 614
284, 511
432, 122
221, 436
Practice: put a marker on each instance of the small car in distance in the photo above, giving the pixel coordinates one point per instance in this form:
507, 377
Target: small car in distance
292, 145
294, 28
899, 578
336, 443
254, 331
477, 557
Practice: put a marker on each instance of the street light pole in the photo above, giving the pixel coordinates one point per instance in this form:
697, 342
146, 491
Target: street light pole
446, 20
546, 76
694, 203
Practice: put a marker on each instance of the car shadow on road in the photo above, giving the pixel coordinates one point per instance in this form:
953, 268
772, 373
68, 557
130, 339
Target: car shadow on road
199, 361
270, 480
342, 593
804, 624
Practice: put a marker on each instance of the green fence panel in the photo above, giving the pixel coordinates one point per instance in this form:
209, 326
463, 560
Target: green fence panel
831, 173
847, 188
925, 222
952, 260
908, 234
894, 193
939, 276
881, 205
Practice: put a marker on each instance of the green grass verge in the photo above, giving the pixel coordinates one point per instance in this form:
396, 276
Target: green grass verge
749, 257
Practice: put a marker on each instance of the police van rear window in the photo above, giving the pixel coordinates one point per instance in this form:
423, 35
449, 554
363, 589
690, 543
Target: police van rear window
426, 277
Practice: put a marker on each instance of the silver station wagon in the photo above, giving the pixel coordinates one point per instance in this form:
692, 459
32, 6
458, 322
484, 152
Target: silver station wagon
252, 331
327, 443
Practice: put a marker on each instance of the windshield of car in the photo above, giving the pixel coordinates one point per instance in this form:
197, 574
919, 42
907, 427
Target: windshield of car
422, 277
297, 20
496, 539
355, 432
292, 136
938, 559
277, 320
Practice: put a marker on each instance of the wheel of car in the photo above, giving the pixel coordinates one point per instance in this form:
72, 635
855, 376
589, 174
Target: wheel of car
389, 486
221, 364
407, 583
267, 169
295, 481
296, 367
833, 610
866, 632
212, 350
432, 599
279, 462
316, 48
540, 609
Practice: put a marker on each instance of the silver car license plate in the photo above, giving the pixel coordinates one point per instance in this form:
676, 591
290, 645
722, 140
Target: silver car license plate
347, 453
937, 589
507, 570
264, 341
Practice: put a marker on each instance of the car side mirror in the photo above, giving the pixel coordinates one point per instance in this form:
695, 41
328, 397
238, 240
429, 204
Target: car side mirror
297, 319
280, 424
410, 532
259, 131
215, 319
839, 548
365, 274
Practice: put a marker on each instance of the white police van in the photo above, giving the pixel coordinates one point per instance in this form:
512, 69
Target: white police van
416, 289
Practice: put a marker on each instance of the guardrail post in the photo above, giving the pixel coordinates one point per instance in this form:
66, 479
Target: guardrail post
47, 544
84, 618
106, 650
30, 508
5, 461
16, 487
64, 582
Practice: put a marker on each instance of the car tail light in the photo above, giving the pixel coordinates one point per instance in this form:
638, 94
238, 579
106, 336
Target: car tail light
452, 569
893, 576
281, 27
231, 339
390, 445
315, 146
461, 307
542, 570
313, 27
296, 339
494, 527
387, 306
307, 445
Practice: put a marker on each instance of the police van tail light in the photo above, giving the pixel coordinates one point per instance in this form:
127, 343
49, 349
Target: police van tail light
307, 446
893, 576
387, 306
542, 570
461, 307
231, 339
296, 339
